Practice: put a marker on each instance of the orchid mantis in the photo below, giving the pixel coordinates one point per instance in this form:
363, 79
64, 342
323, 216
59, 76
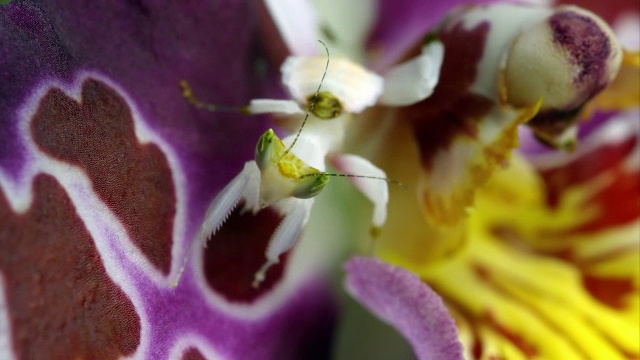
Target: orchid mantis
287, 174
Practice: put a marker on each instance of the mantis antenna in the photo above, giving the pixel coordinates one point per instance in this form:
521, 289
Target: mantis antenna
312, 105
392, 181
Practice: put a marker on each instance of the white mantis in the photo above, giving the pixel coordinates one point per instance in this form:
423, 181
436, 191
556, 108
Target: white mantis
288, 178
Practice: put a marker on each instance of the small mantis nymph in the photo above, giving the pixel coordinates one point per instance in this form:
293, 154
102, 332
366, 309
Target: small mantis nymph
289, 177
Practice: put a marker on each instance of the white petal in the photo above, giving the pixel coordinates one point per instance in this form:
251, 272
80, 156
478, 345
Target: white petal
354, 86
414, 80
241, 187
268, 106
377, 191
298, 24
285, 235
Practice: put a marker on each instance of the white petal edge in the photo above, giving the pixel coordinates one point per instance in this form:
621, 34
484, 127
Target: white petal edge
285, 236
414, 80
298, 24
269, 106
222, 205
377, 191
352, 84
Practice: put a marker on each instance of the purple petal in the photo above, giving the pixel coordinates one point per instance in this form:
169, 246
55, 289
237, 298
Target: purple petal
105, 174
401, 299
401, 24
146, 48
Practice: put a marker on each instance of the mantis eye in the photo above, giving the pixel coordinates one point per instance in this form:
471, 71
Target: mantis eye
264, 148
311, 186
325, 105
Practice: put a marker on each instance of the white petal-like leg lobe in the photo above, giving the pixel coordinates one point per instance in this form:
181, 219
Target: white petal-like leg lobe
286, 235
251, 193
414, 80
245, 185
228, 199
269, 106
376, 190
298, 24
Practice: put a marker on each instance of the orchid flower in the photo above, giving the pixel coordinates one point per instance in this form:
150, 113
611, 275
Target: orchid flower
107, 177
541, 258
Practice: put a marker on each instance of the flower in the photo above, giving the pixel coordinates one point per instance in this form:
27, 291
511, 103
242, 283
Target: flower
106, 172
541, 260
106, 175
549, 266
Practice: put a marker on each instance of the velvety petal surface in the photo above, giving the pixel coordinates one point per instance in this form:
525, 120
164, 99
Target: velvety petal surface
106, 172
401, 299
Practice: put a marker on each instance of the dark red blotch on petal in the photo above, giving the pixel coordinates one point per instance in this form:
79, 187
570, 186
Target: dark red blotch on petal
529, 350
236, 252
133, 179
609, 290
61, 303
452, 110
618, 200
193, 354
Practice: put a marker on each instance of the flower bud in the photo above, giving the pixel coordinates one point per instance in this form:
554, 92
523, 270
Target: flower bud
565, 60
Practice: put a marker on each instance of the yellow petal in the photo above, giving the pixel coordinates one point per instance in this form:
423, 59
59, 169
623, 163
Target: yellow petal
449, 184
516, 294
